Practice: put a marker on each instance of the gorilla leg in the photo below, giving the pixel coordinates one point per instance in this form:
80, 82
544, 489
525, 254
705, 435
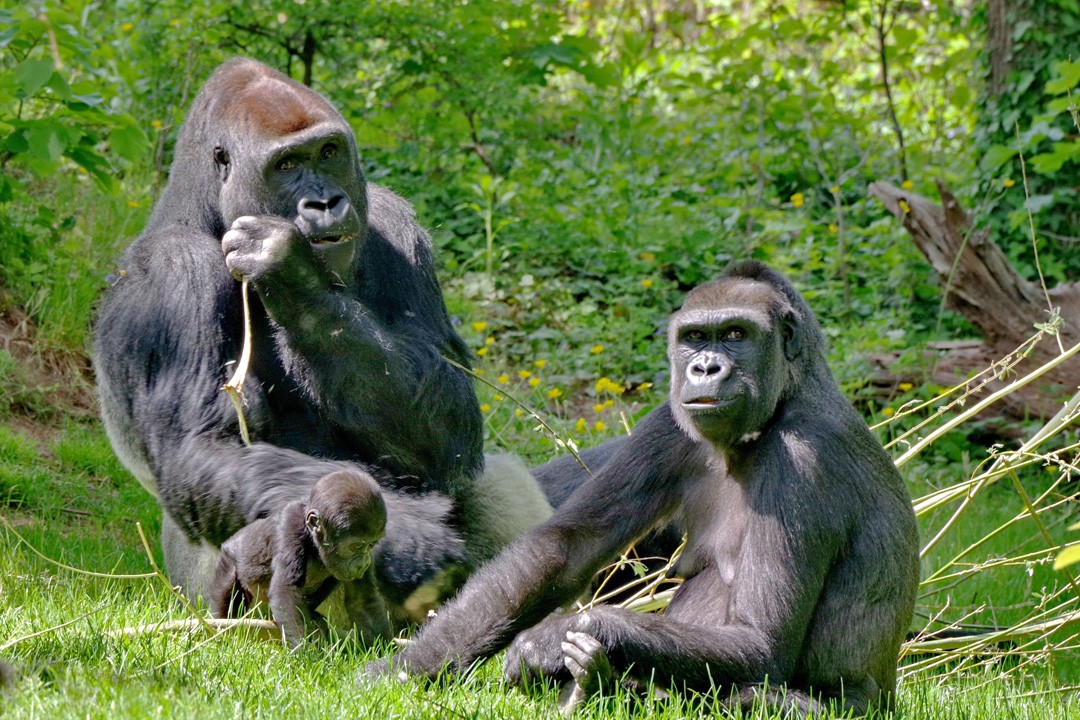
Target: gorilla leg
494, 509
191, 565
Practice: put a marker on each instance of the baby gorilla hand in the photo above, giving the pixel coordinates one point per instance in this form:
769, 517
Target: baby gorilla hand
587, 661
538, 652
256, 247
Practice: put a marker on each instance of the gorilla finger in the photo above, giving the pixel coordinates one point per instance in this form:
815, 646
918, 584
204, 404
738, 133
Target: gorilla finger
585, 641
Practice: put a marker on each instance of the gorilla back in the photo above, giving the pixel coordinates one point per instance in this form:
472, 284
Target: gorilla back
349, 330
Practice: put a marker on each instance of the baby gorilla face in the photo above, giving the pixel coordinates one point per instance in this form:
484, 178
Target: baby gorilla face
348, 559
346, 516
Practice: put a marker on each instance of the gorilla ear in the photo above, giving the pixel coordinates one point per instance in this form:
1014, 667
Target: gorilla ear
221, 160
791, 335
313, 521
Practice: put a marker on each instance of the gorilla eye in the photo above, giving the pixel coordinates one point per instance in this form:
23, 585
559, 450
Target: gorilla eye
328, 152
286, 165
695, 335
735, 333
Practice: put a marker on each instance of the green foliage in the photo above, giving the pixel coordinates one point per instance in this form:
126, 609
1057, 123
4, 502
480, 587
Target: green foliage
1034, 114
581, 165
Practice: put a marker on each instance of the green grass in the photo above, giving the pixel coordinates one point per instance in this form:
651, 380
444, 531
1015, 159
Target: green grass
71, 500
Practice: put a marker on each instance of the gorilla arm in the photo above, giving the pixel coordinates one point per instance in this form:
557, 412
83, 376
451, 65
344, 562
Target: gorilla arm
386, 383
551, 565
167, 332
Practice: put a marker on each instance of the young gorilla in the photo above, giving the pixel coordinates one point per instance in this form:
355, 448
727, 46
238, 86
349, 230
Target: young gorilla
801, 563
294, 558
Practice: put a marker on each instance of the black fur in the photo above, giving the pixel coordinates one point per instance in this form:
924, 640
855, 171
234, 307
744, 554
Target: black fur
802, 558
296, 557
349, 336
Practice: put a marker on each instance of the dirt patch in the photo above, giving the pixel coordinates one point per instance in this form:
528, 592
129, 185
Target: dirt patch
40, 385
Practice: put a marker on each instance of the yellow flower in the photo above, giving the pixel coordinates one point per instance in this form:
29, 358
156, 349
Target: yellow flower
156, 124
602, 384
610, 403
132, 204
540, 363
533, 382
597, 349
888, 412
907, 184
835, 189
904, 206
478, 371
554, 393
485, 408
519, 412
599, 426
798, 199
904, 387
580, 425
647, 256
503, 379
599, 408
479, 326
646, 283
127, 27
833, 228
496, 397
1008, 182
524, 374
482, 352
490, 340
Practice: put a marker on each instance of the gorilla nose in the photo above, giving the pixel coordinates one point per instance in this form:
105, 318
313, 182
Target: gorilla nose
324, 214
711, 369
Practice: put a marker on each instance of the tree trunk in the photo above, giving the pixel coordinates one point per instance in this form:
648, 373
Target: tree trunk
978, 282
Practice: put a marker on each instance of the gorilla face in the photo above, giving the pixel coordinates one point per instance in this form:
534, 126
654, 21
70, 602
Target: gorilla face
727, 361
292, 156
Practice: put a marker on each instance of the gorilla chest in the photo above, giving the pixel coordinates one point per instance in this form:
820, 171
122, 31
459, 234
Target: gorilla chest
716, 517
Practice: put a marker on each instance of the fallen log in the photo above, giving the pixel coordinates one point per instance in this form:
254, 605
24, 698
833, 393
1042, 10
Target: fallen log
978, 281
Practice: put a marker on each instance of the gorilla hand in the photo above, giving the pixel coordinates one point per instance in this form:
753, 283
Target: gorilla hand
586, 659
538, 652
261, 247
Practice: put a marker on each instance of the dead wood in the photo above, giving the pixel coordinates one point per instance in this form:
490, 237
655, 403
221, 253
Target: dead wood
978, 281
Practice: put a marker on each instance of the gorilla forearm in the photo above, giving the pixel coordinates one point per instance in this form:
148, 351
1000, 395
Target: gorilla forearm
421, 413
497, 603
212, 488
651, 646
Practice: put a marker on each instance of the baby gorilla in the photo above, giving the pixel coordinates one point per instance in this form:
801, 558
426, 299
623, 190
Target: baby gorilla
296, 557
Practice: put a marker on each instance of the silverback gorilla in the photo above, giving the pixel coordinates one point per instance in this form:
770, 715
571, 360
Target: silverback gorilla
349, 332
801, 562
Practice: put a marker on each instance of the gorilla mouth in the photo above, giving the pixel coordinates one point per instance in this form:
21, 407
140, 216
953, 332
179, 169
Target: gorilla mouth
705, 401
332, 239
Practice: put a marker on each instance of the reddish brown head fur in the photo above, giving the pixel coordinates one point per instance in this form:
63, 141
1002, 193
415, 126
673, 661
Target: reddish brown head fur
267, 103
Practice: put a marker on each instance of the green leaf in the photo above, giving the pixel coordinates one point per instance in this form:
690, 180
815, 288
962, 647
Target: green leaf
31, 76
47, 140
128, 140
1037, 202
1051, 162
995, 157
1068, 556
1068, 77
